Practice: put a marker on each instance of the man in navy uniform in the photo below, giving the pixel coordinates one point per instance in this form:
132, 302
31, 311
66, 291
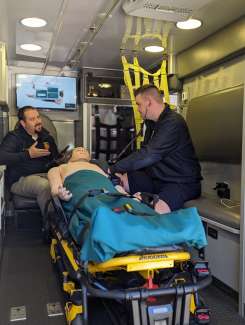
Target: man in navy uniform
166, 164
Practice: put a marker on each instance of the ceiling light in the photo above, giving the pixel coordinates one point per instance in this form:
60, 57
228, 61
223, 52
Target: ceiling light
189, 24
30, 47
22, 76
154, 49
33, 22
104, 85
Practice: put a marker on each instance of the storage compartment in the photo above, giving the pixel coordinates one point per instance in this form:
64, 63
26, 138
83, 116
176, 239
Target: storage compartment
222, 254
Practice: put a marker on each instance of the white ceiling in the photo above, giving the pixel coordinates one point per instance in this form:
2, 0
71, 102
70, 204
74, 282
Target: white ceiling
69, 23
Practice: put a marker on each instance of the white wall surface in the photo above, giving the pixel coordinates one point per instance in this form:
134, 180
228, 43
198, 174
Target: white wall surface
222, 77
225, 76
4, 22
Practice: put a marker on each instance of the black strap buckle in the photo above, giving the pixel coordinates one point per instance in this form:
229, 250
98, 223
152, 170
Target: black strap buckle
96, 192
201, 269
149, 199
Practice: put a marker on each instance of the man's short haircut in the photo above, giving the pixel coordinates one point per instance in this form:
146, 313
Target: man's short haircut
151, 90
22, 110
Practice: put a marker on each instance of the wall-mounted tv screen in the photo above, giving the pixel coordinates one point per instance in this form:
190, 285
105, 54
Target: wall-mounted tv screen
48, 92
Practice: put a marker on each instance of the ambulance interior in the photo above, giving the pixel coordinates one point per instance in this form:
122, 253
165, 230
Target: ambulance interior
85, 47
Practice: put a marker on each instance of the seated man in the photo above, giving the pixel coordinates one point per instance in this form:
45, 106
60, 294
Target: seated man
26, 152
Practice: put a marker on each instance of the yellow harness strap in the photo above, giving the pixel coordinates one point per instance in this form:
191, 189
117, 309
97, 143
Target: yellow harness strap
159, 80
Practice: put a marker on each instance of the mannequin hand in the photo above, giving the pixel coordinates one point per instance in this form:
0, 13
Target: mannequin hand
64, 194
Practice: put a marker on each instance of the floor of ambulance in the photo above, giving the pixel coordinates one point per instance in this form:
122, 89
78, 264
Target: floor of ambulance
28, 279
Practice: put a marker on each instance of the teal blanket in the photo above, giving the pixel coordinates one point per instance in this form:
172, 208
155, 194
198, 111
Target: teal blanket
111, 233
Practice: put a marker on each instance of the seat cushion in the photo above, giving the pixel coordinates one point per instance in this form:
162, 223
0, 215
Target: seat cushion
22, 202
211, 208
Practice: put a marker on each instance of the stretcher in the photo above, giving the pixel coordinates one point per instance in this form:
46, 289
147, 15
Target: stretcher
150, 285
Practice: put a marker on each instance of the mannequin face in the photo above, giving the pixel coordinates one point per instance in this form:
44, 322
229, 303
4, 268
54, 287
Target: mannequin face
80, 153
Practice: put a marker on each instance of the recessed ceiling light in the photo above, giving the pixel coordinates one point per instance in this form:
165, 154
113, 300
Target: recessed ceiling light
22, 76
154, 49
104, 85
30, 47
33, 22
189, 24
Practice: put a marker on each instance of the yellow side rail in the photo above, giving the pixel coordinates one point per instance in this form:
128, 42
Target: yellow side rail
141, 262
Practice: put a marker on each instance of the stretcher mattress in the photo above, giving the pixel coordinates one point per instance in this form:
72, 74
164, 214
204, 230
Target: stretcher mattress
109, 232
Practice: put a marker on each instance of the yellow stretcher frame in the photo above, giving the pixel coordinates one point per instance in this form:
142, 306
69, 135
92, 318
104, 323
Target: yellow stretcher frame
146, 264
159, 79
130, 263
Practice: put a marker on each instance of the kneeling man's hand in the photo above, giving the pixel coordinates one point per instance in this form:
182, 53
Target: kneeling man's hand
124, 181
138, 196
162, 207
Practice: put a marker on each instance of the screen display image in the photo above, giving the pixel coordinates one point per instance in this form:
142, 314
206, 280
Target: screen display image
48, 92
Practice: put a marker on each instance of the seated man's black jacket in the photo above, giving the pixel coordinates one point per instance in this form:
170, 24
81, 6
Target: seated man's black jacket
167, 153
14, 155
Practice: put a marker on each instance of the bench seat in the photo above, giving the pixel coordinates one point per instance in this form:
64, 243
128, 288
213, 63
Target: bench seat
213, 212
